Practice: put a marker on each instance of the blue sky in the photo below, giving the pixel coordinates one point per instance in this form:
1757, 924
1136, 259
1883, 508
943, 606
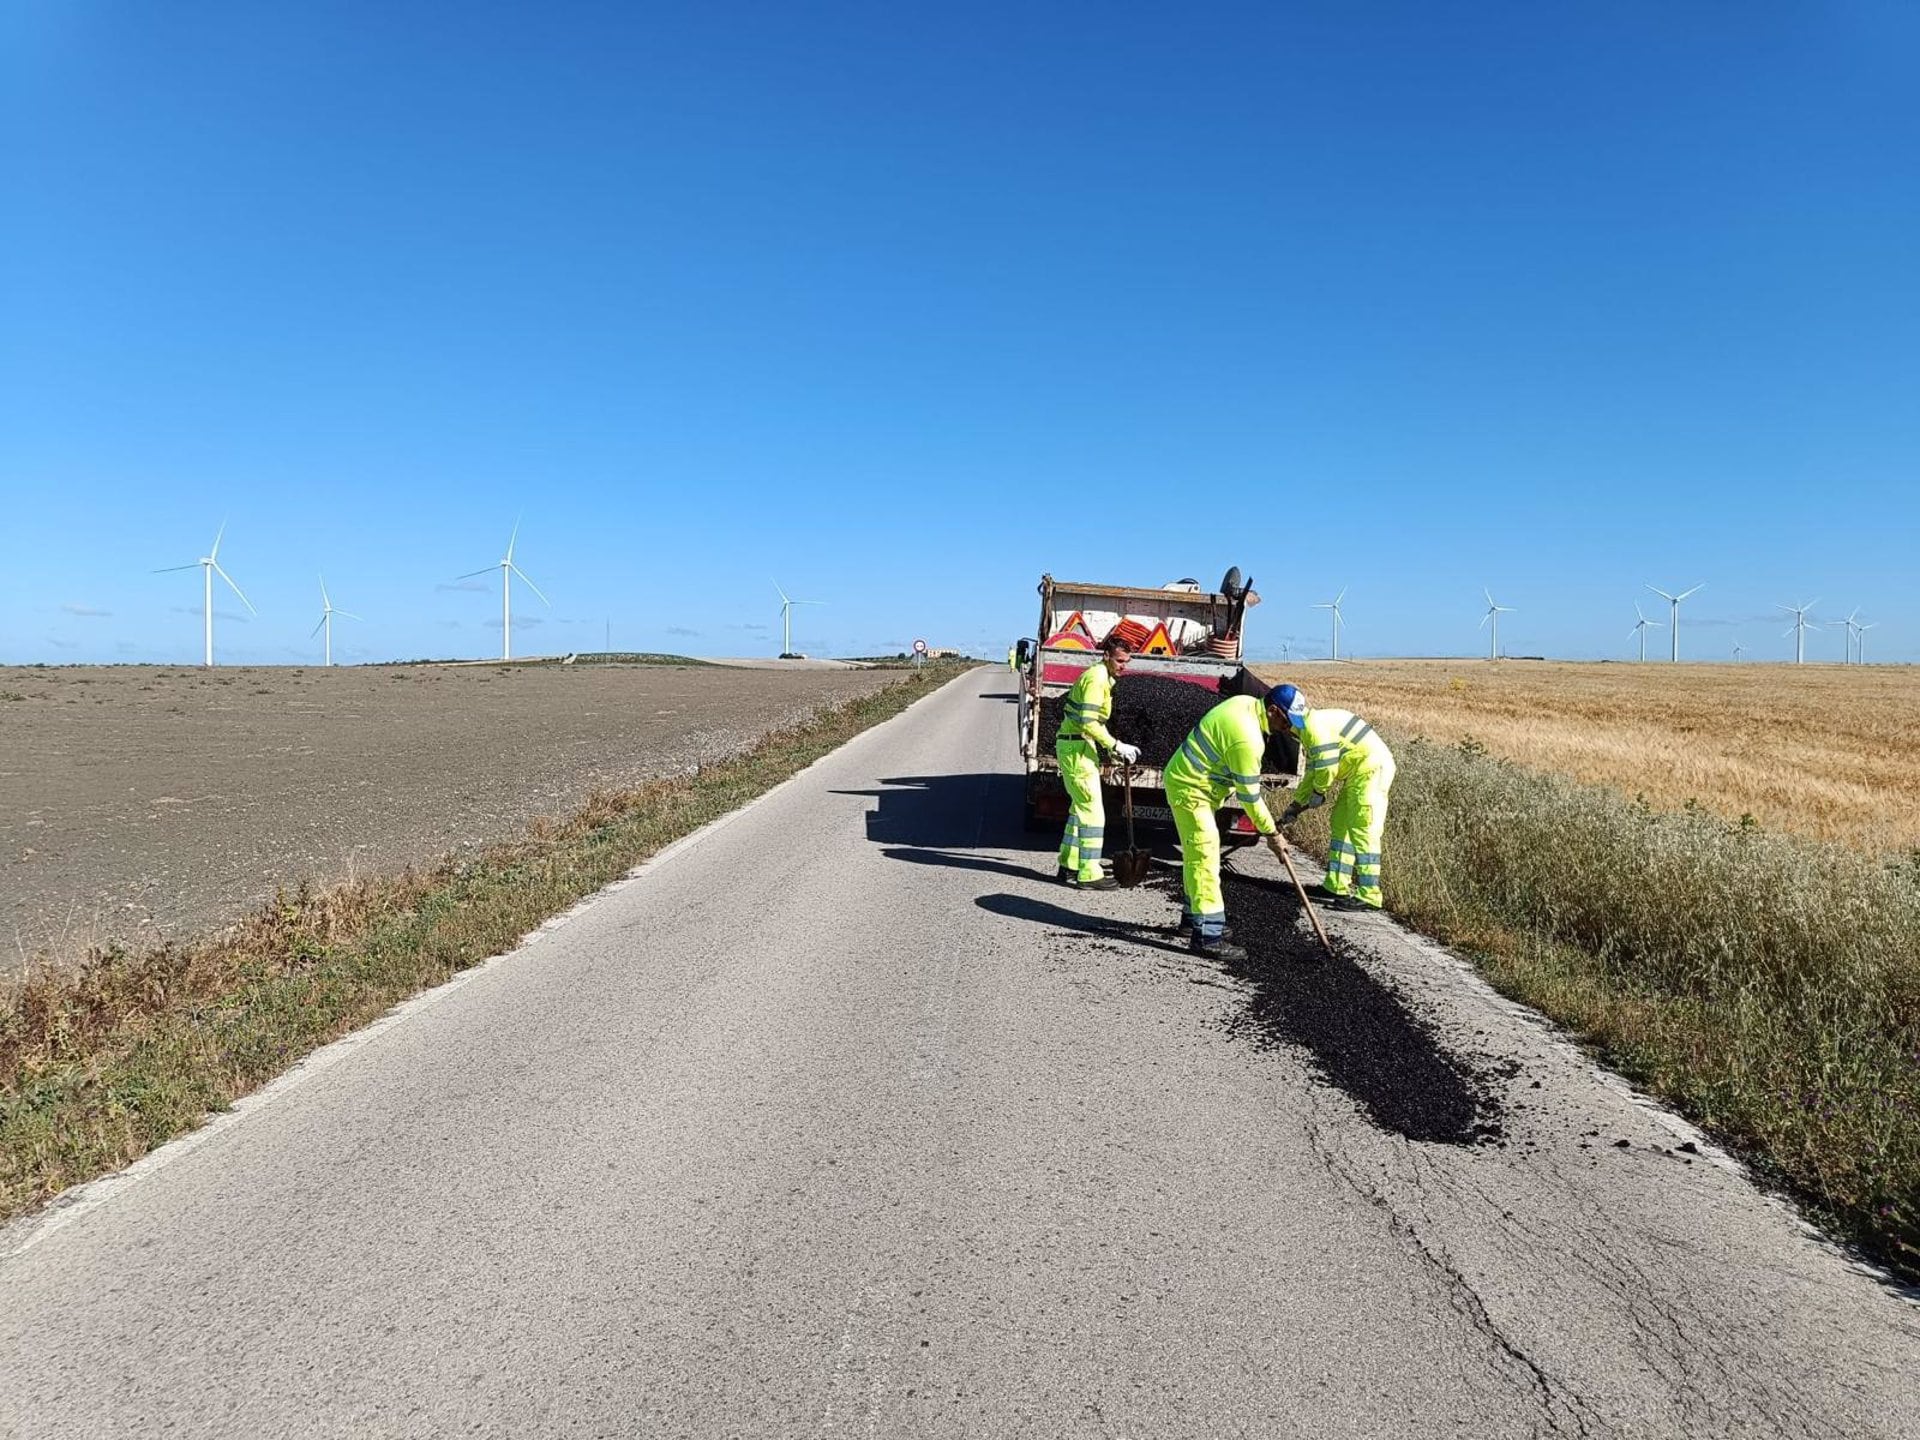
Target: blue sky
905, 308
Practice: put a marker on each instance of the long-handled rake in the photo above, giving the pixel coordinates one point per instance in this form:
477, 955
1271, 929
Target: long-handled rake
1131, 865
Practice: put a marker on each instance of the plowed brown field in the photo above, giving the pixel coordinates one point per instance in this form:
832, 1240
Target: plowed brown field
139, 802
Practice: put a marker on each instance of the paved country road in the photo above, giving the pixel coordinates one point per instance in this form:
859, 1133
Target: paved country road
844, 1120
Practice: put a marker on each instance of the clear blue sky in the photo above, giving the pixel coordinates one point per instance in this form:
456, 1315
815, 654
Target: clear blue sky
905, 305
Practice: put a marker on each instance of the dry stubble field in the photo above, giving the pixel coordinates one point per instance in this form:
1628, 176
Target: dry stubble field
140, 802
1827, 751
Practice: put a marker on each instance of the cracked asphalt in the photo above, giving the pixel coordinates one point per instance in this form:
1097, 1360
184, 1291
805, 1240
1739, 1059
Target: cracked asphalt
846, 1119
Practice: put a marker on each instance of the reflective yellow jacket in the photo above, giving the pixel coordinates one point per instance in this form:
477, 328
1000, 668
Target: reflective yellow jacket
1089, 707
1223, 754
1338, 745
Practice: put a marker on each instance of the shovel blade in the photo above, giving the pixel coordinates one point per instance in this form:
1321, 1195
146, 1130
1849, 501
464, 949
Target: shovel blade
1130, 867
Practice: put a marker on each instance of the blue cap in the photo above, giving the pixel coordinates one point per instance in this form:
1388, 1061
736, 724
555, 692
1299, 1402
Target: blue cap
1289, 699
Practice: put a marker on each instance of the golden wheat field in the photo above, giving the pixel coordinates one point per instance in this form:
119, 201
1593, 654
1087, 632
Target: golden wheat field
1831, 751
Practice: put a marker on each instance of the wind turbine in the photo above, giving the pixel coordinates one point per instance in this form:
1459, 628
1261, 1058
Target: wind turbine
327, 612
1641, 629
1334, 606
1675, 600
786, 618
209, 563
1853, 629
1860, 641
1798, 629
1738, 651
1494, 612
507, 571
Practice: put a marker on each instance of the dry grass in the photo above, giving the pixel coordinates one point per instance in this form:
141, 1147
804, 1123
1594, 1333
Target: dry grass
1726, 906
1827, 751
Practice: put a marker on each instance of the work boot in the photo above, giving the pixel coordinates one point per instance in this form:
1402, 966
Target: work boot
1349, 902
1066, 874
1185, 927
1217, 947
1105, 882
1320, 895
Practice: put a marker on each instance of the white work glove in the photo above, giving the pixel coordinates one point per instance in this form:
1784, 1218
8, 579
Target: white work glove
1126, 754
1278, 846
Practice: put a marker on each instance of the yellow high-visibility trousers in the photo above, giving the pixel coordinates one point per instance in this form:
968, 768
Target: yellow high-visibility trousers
1359, 826
1087, 821
1192, 807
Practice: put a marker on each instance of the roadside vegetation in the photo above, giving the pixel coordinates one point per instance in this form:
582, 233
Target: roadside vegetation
101, 1064
1765, 983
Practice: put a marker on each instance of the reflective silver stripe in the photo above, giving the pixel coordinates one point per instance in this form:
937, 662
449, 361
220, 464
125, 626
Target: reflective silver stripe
1367, 857
1323, 749
1206, 747
1206, 915
1194, 758
1245, 779
1322, 767
1353, 723
1362, 733
1093, 832
1247, 797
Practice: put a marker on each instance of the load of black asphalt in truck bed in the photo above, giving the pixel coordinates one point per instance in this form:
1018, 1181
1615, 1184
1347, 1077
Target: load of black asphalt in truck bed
1156, 712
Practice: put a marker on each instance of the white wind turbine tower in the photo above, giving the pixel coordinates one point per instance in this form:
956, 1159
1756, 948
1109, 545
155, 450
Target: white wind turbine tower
786, 618
327, 612
1860, 642
1494, 612
1798, 629
1738, 651
209, 563
1853, 628
1674, 600
507, 571
1641, 628
1334, 606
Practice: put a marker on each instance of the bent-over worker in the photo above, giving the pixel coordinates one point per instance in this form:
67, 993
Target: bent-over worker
1083, 738
1337, 745
1221, 757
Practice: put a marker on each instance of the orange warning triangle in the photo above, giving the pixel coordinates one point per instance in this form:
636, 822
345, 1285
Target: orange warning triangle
1159, 642
1076, 634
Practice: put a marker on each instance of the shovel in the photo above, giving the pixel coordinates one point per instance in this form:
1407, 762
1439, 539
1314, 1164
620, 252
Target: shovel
1286, 858
1131, 865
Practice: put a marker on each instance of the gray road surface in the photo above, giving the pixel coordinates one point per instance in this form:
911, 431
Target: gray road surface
841, 1121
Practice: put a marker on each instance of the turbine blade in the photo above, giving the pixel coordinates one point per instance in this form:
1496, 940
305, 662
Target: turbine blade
214, 554
530, 585
348, 613
510, 539
169, 569
1483, 620
471, 573
235, 588
316, 629
323, 593
1684, 593
1488, 593
782, 593
1661, 593
1341, 596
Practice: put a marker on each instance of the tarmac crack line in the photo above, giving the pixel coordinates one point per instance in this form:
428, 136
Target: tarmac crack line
1462, 1297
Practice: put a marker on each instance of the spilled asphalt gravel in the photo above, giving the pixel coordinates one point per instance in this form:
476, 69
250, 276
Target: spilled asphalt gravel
1361, 1035
847, 1119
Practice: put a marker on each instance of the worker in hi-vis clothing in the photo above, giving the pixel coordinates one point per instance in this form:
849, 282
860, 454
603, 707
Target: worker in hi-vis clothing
1221, 758
1010, 660
1082, 739
1339, 745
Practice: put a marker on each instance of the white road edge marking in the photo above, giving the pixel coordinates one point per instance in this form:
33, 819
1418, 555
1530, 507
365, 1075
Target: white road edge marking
21, 1235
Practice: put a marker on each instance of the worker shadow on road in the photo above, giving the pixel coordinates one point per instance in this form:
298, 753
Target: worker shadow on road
1023, 907
974, 811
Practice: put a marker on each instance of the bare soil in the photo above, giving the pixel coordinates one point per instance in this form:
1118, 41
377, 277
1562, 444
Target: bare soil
141, 803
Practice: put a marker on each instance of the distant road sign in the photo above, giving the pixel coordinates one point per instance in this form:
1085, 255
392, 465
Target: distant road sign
919, 647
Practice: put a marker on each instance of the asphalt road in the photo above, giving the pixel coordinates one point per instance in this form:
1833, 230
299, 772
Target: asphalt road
845, 1120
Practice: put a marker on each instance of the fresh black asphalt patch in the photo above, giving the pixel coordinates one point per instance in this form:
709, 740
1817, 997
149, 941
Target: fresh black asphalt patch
1360, 1035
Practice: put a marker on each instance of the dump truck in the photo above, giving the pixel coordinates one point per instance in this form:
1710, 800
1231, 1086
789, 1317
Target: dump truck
1181, 633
